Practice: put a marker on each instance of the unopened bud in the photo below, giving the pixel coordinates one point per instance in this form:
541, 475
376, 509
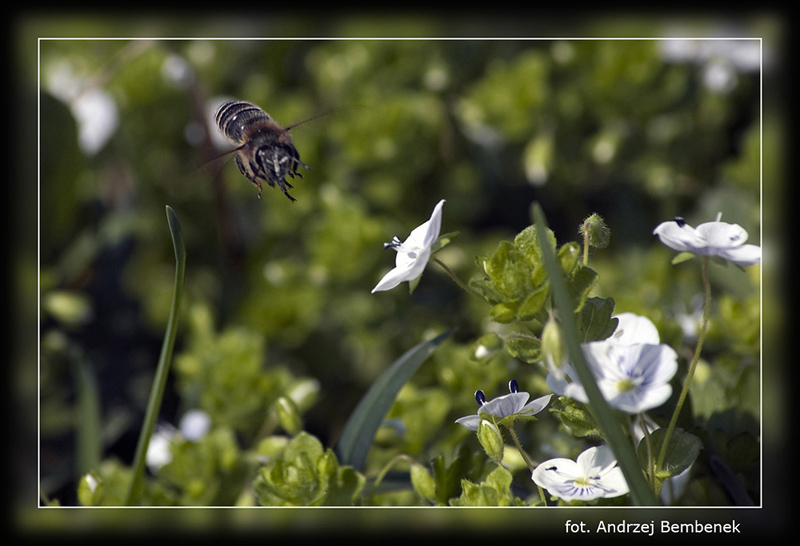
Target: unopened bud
595, 231
491, 440
553, 347
288, 415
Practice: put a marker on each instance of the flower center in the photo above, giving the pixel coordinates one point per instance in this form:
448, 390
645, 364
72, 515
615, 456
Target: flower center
625, 385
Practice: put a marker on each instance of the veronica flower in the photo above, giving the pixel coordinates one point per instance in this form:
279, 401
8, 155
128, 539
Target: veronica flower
516, 404
631, 368
193, 427
726, 241
413, 253
594, 475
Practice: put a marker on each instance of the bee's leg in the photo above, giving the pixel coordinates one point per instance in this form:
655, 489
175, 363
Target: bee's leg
282, 184
247, 175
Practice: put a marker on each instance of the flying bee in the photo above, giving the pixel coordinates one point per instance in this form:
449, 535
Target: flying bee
264, 149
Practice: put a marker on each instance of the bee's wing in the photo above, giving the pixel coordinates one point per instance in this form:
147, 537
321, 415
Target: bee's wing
214, 165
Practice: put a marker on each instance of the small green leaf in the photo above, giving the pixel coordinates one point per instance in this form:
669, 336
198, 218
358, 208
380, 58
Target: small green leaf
682, 257
527, 349
422, 482
576, 417
494, 491
443, 241
533, 303
682, 451
596, 323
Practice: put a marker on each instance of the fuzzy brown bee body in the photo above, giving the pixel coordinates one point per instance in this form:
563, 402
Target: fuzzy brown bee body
265, 150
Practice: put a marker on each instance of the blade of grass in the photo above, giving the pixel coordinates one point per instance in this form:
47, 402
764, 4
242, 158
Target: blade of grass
641, 494
89, 442
164, 360
360, 429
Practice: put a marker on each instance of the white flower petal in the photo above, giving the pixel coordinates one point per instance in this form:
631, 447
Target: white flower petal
535, 406
470, 422
424, 235
506, 405
634, 328
596, 460
743, 255
680, 237
391, 279
722, 234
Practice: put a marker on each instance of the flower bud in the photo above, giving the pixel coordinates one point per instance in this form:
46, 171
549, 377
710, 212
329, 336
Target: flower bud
553, 347
595, 231
491, 440
288, 416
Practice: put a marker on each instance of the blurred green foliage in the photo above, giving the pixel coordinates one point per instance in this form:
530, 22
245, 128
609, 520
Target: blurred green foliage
277, 303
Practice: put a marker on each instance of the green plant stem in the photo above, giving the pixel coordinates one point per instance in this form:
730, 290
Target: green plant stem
585, 247
524, 455
165, 358
692, 366
641, 493
651, 469
388, 466
455, 278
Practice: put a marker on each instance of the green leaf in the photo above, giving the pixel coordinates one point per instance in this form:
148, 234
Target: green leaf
527, 349
579, 283
576, 417
682, 451
682, 257
306, 474
422, 482
360, 429
447, 474
596, 323
494, 491
443, 241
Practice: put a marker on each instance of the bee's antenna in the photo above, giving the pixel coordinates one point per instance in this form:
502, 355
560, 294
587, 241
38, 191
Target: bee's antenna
329, 112
293, 125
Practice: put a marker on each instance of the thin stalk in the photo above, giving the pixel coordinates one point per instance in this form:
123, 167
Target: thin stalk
455, 278
585, 247
641, 493
164, 360
651, 469
524, 455
693, 365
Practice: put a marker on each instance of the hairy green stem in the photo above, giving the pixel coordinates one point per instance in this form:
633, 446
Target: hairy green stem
693, 365
455, 278
524, 455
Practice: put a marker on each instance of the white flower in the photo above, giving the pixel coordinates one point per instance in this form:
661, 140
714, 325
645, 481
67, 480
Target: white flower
158, 450
413, 253
716, 238
195, 424
633, 328
631, 368
515, 403
594, 475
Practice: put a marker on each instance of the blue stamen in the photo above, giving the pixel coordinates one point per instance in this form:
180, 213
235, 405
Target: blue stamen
480, 397
680, 221
512, 386
394, 244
